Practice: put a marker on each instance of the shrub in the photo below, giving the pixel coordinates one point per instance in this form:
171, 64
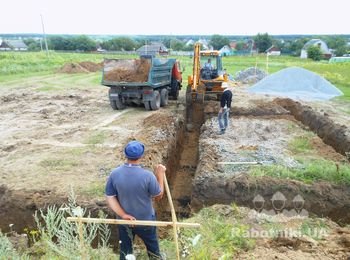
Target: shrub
314, 53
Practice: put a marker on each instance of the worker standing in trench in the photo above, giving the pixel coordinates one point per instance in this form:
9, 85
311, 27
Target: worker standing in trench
225, 106
129, 190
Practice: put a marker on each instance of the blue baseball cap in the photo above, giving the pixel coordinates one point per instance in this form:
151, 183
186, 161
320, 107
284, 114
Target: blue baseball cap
134, 150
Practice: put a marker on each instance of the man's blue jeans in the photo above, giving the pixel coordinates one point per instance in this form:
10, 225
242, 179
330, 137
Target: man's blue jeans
223, 119
148, 236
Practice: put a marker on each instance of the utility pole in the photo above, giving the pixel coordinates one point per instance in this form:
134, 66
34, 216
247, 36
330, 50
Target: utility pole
41, 44
146, 46
44, 34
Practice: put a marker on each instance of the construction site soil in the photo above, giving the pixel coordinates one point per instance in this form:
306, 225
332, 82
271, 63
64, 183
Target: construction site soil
52, 142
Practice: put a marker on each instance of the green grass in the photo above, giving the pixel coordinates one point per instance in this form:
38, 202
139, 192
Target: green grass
58, 164
300, 144
7, 250
95, 189
47, 89
312, 170
96, 138
218, 236
23, 64
314, 228
20, 65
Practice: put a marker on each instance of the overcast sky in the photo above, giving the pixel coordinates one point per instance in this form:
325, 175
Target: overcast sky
242, 17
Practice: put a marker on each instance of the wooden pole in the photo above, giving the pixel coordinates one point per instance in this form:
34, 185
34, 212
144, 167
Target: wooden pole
256, 65
81, 237
238, 163
133, 222
173, 216
267, 63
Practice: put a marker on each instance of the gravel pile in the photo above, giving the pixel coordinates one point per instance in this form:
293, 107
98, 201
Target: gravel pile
250, 75
298, 84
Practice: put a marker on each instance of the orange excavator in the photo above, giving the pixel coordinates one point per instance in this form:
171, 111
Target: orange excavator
208, 76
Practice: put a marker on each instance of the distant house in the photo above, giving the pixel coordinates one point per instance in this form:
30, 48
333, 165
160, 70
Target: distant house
274, 51
155, 48
189, 42
205, 44
233, 45
13, 45
250, 46
316, 42
226, 51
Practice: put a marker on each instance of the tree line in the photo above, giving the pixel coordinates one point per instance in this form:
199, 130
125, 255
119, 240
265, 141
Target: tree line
262, 42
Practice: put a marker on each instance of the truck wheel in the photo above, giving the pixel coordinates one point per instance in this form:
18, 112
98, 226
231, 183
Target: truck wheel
147, 105
155, 102
118, 103
175, 89
164, 97
113, 104
111, 101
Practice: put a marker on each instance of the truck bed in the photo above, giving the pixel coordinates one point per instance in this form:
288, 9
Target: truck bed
151, 72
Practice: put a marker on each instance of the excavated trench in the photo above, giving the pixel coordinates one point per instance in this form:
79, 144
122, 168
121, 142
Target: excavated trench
192, 188
182, 165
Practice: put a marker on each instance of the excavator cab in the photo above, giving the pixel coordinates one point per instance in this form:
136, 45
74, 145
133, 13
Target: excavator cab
208, 75
211, 66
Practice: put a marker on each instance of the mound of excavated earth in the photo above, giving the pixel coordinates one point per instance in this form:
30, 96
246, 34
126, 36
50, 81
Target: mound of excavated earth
296, 83
84, 66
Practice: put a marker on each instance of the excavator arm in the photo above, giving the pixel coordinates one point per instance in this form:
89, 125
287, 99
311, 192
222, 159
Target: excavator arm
196, 66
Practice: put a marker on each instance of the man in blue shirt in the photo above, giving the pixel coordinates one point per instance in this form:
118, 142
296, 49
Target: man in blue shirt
208, 65
130, 190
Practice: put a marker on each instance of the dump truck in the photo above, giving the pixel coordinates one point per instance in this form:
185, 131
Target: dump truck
147, 81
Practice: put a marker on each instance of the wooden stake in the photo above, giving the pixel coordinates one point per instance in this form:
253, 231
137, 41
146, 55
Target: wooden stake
81, 237
173, 216
267, 63
134, 222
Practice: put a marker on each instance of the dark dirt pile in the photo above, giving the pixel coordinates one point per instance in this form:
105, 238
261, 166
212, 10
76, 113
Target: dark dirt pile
91, 66
138, 72
262, 109
321, 198
331, 133
82, 67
